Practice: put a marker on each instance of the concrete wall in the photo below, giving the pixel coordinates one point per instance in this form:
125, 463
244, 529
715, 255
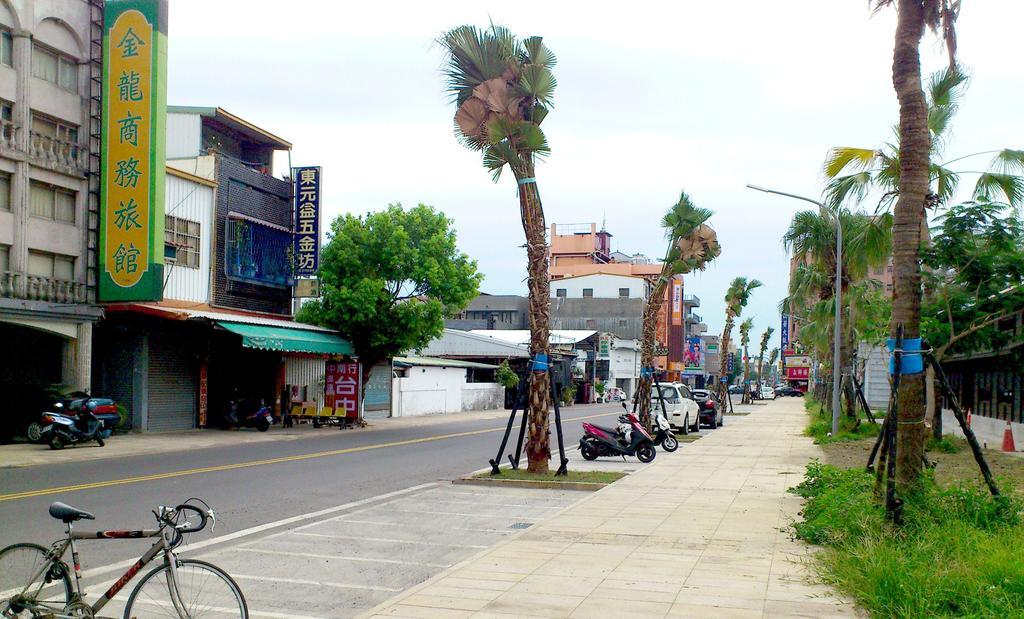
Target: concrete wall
433, 390
184, 135
988, 431
623, 317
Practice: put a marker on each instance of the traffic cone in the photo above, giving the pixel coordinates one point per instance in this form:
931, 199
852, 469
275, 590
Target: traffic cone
1008, 438
969, 418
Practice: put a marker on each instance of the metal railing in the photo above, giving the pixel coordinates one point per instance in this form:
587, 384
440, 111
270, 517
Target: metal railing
691, 300
19, 285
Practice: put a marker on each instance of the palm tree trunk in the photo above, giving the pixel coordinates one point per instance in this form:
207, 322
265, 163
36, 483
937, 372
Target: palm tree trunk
909, 211
746, 376
538, 449
649, 335
723, 379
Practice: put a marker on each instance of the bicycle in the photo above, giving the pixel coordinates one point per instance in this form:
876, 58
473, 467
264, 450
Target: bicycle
36, 582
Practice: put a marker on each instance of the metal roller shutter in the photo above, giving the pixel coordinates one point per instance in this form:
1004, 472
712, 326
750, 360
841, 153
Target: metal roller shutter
172, 384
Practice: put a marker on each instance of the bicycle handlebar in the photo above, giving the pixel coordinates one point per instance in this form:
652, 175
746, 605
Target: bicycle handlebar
185, 526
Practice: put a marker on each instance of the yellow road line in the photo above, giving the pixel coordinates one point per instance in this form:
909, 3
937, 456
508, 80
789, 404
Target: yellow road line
239, 465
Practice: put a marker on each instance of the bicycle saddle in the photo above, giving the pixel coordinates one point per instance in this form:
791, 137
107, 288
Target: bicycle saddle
65, 513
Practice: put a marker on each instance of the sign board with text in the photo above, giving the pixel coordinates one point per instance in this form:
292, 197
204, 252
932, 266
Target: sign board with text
342, 382
132, 159
307, 220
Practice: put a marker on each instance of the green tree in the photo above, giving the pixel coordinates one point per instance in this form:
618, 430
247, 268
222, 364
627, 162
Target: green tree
503, 89
974, 281
772, 358
736, 298
764, 348
745, 328
692, 244
389, 279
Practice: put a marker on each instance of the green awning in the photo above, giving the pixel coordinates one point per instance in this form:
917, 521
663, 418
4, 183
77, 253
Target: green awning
288, 340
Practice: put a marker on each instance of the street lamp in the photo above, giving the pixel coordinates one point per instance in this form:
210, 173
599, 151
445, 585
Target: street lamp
836, 373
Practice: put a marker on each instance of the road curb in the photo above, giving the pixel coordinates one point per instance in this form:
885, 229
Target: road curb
585, 486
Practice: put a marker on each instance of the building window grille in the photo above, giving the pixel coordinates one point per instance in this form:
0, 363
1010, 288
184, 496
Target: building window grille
6, 47
182, 235
624, 293
54, 266
258, 254
560, 293
5, 191
588, 292
53, 128
54, 67
49, 202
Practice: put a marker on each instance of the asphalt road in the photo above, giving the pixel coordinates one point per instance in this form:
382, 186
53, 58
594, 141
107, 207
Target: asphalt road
306, 475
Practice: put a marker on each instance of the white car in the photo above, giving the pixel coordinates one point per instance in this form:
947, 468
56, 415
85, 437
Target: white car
682, 412
767, 393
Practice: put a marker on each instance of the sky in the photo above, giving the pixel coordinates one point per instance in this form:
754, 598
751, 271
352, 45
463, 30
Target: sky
652, 99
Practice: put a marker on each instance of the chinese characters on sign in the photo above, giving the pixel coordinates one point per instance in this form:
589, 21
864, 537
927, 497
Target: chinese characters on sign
785, 331
132, 189
307, 220
604, 346
677, 303
342, 387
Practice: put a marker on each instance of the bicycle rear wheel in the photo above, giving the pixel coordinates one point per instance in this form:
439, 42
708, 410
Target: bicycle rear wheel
23, 588
204, 590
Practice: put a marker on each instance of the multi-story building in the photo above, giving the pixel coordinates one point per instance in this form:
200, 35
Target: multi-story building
49, 61
224, 329
491, 312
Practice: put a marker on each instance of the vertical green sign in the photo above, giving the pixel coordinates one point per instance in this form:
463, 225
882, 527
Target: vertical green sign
132, 163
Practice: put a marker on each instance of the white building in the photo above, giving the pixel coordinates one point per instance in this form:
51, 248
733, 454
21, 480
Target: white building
48, 215
601, 286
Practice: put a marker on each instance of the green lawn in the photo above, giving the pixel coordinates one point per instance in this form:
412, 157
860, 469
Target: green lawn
849, 430
593, 477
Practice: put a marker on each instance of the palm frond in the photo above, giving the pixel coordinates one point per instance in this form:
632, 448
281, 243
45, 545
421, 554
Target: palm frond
945, 180
847, 158
538, 82
497, 156
535, 52
852, 187
993, 185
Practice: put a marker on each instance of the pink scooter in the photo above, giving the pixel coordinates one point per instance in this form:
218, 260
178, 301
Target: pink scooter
599, 441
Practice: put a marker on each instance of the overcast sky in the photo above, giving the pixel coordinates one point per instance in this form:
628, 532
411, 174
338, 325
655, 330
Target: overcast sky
652, 98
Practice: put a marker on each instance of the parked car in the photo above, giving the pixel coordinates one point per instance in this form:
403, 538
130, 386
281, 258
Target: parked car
766, 393
711, 413
682, 412
788, 391
736, 389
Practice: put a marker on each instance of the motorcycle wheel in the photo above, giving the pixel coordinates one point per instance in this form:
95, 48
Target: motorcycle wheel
56, 443
670, 443
588, 452
99, 439
34, 432
645, 453
263, 425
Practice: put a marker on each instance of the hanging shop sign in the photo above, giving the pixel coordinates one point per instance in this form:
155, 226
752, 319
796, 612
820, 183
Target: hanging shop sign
677, 303
307, 220
132, 160
342, 382
730, 362
604, 346
785, 330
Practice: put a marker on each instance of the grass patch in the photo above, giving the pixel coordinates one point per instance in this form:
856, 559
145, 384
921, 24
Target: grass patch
958, 553
591, 477
820, 425
946, 445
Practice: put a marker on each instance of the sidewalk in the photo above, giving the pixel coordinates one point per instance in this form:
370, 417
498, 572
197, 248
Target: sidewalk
702, 532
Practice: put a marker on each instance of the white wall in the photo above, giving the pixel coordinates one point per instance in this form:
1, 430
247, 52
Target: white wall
184, 133
431, 390
193, 201
605, 286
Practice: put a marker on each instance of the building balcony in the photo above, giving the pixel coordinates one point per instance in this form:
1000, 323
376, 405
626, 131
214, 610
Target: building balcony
690, 300
8, 135
57, 154
17, 285
692, 319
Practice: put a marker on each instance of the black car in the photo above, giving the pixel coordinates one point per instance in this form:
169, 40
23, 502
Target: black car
710, 413
735, 388
787, 390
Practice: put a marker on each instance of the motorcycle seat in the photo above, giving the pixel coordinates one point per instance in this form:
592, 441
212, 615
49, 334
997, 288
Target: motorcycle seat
67, 514
612, 431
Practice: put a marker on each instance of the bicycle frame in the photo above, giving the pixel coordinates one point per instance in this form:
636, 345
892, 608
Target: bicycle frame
164, 545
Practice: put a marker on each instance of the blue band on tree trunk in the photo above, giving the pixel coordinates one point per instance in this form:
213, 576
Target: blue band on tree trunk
911, 360
540, 363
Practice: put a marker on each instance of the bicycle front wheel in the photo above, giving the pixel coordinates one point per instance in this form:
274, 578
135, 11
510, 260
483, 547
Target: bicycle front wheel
30, 584
197, 589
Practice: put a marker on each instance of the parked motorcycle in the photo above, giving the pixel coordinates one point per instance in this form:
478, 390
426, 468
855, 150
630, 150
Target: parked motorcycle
103, 408
663, 437
599, 441
60, 430
261, 418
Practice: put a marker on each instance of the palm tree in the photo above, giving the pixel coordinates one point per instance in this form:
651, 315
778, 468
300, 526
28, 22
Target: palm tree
913, 16
764, 348
503, 88
772, 358
692, 244
745, 328
736, 298
811, 238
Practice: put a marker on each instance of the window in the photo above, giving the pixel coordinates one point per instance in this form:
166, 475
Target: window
560, 293
588, 292
183, 236
53, 128
49, 202
55, 266
5, 258
591, 323
5, 191
55, 68
258, 253
623, 323
6, 48
6, 111
624, 293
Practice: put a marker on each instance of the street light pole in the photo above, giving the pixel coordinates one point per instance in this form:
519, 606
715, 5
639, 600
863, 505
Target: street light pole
836, 370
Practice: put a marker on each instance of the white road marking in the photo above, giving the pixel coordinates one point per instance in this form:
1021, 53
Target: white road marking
404, 524
388, 540
124, 565
232, 611
316, 583
309, 555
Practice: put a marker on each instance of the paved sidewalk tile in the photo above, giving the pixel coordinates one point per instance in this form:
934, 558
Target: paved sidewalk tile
701, 532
